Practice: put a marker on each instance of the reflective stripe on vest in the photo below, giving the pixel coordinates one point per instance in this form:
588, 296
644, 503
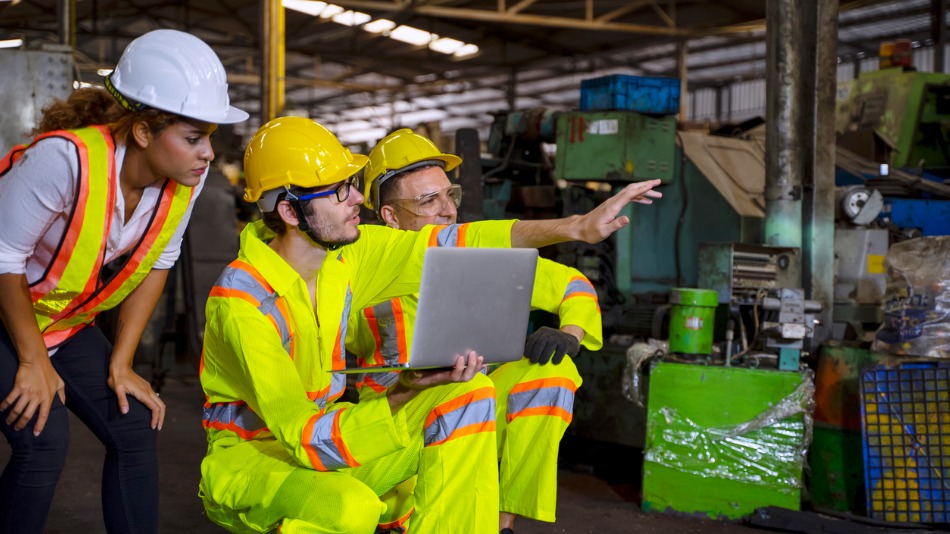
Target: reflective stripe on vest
378, 382
70, 293
580, 286
241, 280
339, 344
234, 416
330, 393
547, 396
462, 416
452, 235
325, 448
387, 323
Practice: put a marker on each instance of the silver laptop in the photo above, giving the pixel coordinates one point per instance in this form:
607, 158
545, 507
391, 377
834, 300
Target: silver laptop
470, 299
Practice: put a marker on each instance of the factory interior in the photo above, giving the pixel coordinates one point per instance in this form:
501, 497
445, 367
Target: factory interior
776, 328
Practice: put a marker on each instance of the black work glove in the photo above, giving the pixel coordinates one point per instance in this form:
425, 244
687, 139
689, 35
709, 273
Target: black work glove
550, 344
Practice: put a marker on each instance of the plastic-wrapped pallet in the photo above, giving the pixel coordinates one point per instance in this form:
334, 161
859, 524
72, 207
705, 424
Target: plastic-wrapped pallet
917, 299
724, 441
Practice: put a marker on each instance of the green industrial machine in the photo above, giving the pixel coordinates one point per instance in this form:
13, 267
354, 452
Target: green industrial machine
723, 441
660, 248
615, 146
909, 109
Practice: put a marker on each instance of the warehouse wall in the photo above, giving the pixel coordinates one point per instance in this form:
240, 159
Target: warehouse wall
745, 99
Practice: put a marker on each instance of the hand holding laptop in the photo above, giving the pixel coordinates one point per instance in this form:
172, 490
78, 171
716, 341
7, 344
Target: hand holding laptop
464, 370
412, 381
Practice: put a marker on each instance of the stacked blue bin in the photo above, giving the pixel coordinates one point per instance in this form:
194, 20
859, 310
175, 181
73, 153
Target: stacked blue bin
643, 94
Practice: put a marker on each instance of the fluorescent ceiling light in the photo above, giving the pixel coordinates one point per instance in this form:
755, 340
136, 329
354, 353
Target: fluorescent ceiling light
466, 51
386, 27
379, 26
351, 18
408, 34
304, 6
11, 43
104, 72
330, 11
446, 45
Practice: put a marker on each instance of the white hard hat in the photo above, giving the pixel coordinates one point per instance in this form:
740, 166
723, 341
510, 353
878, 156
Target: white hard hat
176, 72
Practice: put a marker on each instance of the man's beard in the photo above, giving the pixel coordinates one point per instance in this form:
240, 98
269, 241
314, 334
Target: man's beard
326, 235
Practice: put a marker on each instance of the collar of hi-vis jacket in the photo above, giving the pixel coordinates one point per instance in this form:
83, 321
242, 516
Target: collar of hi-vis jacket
71, 292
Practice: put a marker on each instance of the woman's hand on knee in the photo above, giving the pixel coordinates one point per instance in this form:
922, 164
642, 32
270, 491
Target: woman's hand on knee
124, 381
34, 388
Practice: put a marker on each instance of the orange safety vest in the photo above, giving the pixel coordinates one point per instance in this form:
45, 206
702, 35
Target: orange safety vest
71, 292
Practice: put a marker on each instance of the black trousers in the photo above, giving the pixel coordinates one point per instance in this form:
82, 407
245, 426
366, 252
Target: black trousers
130, 470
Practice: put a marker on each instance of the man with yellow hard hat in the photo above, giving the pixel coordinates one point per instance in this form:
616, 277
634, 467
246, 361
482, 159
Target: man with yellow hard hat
408, 187
283, 452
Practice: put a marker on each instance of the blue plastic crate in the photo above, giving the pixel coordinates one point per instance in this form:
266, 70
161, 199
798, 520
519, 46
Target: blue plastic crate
905, 414
644, 94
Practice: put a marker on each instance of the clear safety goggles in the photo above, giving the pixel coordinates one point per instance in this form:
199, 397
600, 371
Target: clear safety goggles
434, 203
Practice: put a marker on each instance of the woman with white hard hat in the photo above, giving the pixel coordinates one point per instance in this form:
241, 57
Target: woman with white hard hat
93, 211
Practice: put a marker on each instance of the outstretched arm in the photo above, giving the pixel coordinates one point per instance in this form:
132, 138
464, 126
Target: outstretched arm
591, 227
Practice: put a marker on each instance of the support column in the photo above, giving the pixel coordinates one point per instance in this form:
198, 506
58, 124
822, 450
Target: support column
66, 11
938, 31
783, 88
512, 93
819, 46
272, 80
682, 54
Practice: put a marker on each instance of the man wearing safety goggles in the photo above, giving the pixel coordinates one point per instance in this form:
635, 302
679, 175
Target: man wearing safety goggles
407, 186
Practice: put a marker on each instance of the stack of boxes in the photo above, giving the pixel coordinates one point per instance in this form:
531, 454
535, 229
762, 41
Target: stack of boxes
625, 130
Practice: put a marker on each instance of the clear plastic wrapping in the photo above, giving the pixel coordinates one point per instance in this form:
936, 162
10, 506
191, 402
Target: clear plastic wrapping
768, 450
917, 299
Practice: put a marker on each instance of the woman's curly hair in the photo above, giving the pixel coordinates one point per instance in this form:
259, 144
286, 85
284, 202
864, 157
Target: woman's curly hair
93, 106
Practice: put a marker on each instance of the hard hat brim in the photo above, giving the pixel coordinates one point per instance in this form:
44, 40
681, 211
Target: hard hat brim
234, 116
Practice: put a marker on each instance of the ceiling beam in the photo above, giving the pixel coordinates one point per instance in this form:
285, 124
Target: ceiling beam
503, 17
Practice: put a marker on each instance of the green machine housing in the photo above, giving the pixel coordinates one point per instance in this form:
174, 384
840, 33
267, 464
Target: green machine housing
615, 146
909, 109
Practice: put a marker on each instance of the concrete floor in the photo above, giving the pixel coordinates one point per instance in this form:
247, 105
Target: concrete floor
586, 503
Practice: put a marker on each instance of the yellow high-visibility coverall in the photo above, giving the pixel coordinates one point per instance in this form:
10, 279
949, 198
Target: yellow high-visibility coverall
281, 452
535, 402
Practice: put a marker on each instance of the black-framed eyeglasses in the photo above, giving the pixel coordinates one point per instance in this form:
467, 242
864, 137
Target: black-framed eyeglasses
341, 191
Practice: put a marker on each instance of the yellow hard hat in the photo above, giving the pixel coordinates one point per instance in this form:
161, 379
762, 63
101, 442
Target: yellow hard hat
398, 152
294, 151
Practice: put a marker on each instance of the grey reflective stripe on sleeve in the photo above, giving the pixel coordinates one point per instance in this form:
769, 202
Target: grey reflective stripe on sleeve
241, 280
237, 417
322, 442
448, 236
385, 380
388, 333
578, 287
337, 385
549, 396
475, 412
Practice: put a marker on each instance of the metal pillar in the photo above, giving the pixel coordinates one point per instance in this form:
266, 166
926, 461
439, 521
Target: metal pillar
272, 80
66, 9
783, 165
819, 45
938, 14
682, 54
512, 93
